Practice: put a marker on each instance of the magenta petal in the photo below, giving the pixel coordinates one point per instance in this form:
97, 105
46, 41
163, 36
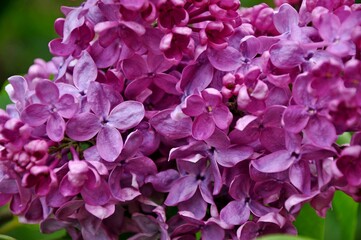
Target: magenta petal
203, 127
109, 143
235, 213
55, 127
56, 47
66, 188
196, 205
96, 196
295, 118
35, 114
47, 91
167, 83
274, 162
83, 127
231, 156
194, 105
85, 71
183, 190
134, 67
126, 115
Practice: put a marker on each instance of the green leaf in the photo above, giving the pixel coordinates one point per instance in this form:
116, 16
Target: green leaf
309, 224
345, 138
251, 3
341, 220
283, 237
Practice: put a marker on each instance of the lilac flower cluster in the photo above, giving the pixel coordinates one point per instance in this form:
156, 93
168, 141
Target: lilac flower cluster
169, 118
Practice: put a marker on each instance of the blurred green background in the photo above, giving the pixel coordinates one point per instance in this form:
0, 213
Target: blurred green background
26, 27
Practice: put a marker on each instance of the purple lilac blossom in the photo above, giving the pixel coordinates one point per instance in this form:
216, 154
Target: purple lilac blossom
170, 119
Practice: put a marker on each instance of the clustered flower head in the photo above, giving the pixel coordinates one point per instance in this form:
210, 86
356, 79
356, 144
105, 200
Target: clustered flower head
173, 118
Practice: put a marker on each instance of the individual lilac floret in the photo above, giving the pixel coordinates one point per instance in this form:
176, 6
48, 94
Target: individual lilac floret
51, 110
105, 123
85, 178
209, 111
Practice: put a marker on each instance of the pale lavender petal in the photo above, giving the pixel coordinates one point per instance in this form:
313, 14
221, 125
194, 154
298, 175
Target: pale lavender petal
229, 157
295, 118
98, 100
183, 190
67, 106
83, 127
285, 18
85, 71
55, 127
285, 55
227, 59
273, 162
35, 114
168, 127
126, 115
109, 143
321, 132
196, 205
235, 213
47, 91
